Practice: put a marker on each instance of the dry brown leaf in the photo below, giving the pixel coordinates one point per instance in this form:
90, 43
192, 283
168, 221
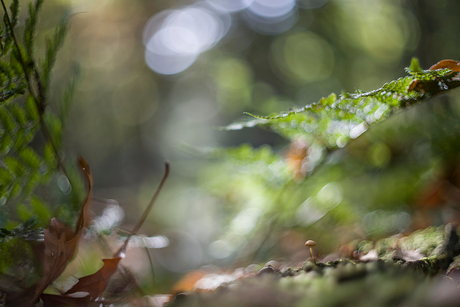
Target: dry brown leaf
50, 300
187, 283
96, 283
297, 157
60, 242
450, 64
60, 245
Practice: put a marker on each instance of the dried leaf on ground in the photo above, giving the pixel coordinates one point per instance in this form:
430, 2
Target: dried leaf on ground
96, 283
58, 248
450, 64
60, 244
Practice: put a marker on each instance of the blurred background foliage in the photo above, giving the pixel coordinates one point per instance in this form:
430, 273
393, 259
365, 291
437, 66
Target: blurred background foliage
159, 76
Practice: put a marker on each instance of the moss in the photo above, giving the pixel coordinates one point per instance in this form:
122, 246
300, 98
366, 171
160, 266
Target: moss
389, 281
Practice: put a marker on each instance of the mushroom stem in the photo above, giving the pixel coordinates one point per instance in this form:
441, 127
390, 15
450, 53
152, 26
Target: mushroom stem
310, 244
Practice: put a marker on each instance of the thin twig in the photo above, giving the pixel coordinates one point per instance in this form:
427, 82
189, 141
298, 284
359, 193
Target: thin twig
146, 212
152, 201
125, 271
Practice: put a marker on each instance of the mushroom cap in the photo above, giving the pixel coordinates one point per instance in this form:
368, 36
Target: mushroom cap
310, 243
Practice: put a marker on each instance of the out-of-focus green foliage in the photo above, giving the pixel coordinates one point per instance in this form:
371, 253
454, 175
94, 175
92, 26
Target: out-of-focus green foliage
270, 189
30, 130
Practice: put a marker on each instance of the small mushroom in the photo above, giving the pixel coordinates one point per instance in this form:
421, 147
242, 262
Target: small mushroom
310, 244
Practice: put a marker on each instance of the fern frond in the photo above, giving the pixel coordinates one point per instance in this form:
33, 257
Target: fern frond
333, 121
14, 8
68, 95
25, 160
31, 27
52, 47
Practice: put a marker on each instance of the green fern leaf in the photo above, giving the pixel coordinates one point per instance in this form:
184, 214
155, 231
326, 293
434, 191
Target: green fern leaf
7, 122
31, 109
30, 28
333, 121
52, 47
41, 210
6, 143
14, 8
30, 158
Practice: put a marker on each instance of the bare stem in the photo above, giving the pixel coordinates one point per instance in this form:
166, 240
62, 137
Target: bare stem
311, 256
146, 211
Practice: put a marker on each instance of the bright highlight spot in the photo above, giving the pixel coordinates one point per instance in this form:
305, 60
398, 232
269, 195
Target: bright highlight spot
175, 38
270, 16
229, 5
270, 8
150, 242
358, 130
111, 217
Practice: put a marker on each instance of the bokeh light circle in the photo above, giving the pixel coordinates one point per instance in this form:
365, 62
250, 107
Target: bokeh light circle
270, 8
271, 26
175, 38
229, 5
302, 57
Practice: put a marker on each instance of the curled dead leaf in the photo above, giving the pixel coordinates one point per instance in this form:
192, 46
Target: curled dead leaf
60, 242
450, 64
96, 283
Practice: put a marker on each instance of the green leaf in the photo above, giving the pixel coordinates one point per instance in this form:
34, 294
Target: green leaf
30, 158
55, 127
14, 165
19, 114
15, 189
32, 182
30, 28
20, 140
6, 143
333, 121
52, 47
49, 155
415, 66
14, 8
6, 178
6, 121
31, 108
41, 209
68, 96
24, 212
